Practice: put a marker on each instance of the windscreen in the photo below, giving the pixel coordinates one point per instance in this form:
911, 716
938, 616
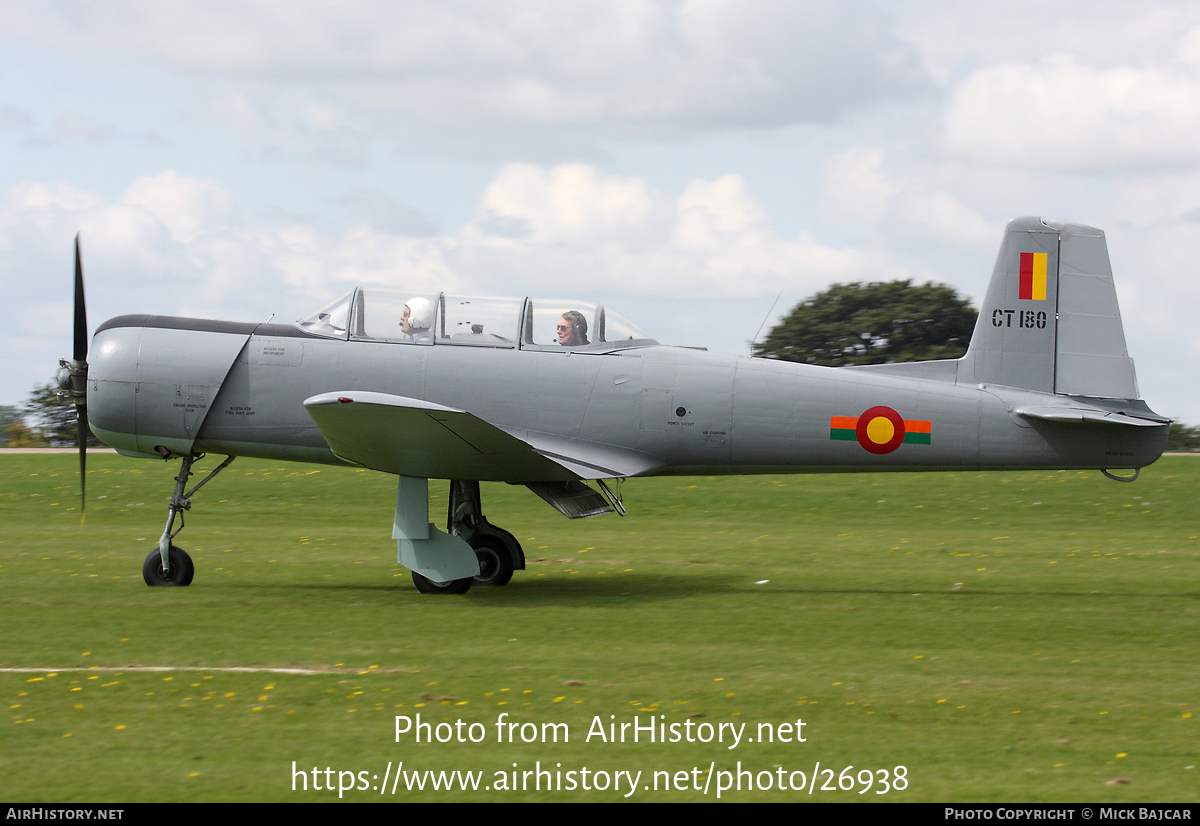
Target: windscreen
332, 320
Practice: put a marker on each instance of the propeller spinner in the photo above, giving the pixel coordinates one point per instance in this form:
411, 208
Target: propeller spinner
72, 376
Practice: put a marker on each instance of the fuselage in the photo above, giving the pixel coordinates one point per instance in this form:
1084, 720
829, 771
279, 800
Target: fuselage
182, 386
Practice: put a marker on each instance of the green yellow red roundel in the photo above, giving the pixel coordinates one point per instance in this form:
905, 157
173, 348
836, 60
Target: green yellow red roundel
880, 430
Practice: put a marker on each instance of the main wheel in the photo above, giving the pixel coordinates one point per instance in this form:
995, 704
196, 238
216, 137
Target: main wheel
179, 572
495, 562
454, 586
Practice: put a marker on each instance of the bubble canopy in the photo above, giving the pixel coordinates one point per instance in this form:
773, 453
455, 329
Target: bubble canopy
424, 318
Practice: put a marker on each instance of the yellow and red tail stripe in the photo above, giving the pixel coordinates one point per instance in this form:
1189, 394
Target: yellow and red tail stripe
1033, 276
880, 430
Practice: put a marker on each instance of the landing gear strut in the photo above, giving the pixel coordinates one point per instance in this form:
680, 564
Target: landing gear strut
170, 565
498, 551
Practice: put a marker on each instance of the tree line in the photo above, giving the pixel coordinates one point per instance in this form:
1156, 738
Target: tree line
43, 420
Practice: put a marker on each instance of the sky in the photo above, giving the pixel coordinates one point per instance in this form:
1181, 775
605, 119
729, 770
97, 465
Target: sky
700, 166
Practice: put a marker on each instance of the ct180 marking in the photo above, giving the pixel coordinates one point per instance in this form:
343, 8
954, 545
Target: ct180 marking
1027, 319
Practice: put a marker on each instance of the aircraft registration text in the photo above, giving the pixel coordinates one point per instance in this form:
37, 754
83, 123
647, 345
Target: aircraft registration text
1027, 319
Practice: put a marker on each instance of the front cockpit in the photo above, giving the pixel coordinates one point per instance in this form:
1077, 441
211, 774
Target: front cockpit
423, 318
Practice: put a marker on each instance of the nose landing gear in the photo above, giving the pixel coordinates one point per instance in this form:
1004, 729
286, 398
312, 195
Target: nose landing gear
170, 565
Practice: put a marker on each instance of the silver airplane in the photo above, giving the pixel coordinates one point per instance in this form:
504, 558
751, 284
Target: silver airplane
554, 394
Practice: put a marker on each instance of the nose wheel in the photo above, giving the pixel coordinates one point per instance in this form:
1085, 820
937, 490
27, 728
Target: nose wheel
179, 570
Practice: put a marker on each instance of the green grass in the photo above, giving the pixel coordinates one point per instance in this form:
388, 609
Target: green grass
1003, 636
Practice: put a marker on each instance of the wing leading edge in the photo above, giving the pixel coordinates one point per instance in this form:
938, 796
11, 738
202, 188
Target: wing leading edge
412, 437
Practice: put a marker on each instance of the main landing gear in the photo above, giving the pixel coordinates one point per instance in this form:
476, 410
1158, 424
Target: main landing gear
170, 565
471, 551
498, 551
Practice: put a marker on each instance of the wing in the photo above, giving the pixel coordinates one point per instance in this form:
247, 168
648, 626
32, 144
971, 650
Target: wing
411, 437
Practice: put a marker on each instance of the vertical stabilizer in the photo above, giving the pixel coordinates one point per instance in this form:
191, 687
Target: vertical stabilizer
1013, 342
1050, 320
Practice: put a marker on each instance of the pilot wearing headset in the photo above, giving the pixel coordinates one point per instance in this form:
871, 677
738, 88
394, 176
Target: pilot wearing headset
417, 318
572, 329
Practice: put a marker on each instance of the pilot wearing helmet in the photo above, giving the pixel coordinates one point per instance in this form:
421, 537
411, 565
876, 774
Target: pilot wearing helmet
417, 318
572, 329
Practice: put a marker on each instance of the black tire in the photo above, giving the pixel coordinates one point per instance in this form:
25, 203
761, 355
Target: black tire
179, 575
428, 586
495, 561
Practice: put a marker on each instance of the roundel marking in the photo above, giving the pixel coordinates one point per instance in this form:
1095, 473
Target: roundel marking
880, 430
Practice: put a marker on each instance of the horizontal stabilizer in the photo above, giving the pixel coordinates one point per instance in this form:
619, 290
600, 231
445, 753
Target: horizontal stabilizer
574, 500
1078, 415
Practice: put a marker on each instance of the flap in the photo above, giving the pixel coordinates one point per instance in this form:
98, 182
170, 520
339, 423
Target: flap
590, 460
574, 500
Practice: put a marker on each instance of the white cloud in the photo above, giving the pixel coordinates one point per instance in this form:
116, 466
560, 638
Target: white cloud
1100, 33
332, 68
856, 187
187, 207
570, 204
43, 200
859, 187
599, 232
1154, 268
575, 229
1152, 200
1060, 114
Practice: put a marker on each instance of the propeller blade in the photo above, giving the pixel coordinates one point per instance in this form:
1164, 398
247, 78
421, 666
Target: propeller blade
80, 356
81, 342
82, 429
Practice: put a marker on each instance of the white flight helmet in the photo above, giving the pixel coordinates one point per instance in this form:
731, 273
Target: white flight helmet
420, 313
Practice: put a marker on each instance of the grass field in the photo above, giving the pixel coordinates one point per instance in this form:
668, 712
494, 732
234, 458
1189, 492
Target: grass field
1002, 636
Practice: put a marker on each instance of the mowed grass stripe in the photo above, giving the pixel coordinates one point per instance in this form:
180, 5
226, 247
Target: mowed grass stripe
237, 669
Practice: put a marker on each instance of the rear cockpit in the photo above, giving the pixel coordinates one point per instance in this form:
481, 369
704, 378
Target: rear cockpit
439, 318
